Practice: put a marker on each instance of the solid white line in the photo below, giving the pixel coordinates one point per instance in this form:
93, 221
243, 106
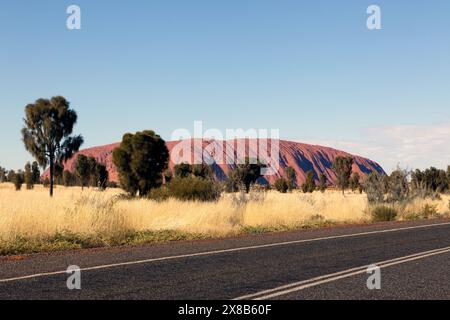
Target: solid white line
38, 275
305, 284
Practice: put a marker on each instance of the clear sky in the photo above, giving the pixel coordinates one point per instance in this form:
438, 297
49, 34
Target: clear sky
309, 68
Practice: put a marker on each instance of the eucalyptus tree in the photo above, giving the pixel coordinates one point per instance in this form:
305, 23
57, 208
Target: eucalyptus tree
47, 132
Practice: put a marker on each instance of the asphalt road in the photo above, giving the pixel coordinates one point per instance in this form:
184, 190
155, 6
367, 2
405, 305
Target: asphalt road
331, 263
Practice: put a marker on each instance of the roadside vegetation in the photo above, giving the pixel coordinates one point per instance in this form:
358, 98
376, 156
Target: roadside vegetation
30, 221
155, 203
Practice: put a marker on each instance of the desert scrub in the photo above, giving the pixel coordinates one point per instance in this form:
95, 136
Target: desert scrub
428, 211
189, 188
383, 213
32, 222
69, 241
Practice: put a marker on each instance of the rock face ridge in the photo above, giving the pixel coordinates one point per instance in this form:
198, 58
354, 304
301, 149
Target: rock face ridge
301, 157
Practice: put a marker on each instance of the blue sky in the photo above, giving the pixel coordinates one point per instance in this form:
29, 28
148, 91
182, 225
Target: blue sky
310, 68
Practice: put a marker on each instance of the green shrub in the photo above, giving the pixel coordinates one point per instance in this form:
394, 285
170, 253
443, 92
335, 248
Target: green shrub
310, 185
282, 185
159, 194
384, 213
194, 189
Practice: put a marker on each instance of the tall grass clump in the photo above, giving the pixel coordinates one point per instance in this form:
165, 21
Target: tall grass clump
384, 213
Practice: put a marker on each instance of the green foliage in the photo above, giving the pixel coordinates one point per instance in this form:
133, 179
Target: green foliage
194, 189
448, 174
36, 173
3, 177
202, 171
310, 185
383, 213
46, 183
58, 173
398, 187
375, 188
17, 179
168, 176
160, 194
342, 167
322, 183
141, 160
182, 170
48, 125
432, 179
10, 176
281, 185
28, 176
354, 182
291, 178
244, 176
90, 172
68, 178
82, 170
101, 176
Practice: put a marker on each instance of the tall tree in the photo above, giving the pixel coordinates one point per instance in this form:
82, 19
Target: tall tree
281, 185
36, 172
17, 179
93, 178
310, 185
448, 176
58, 172
291, 178
47, 133
82, 170
2, 175
354, 182
141, 160
68, 178
342, 167
375, 187
322, 182
101, 176
10, 176
28, 176
244, 175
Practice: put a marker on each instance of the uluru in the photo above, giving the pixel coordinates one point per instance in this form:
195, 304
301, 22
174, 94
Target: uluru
300, 156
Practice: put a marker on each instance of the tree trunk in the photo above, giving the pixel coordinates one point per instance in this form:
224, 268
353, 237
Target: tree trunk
51, 176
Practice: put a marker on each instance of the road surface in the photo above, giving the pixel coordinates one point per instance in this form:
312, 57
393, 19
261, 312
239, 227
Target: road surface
330, 263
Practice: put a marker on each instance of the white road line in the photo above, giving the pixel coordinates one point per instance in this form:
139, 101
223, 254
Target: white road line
113, 265
305, 284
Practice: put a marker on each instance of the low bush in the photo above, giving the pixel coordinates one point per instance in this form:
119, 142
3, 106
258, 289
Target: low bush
159, 194
384, 213
194, 189
281, 185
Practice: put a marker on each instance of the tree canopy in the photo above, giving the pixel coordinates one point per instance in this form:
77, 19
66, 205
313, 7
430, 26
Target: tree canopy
47, 132
141, 160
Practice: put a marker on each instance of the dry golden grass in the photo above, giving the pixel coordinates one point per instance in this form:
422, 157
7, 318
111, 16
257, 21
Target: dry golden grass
110, 219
